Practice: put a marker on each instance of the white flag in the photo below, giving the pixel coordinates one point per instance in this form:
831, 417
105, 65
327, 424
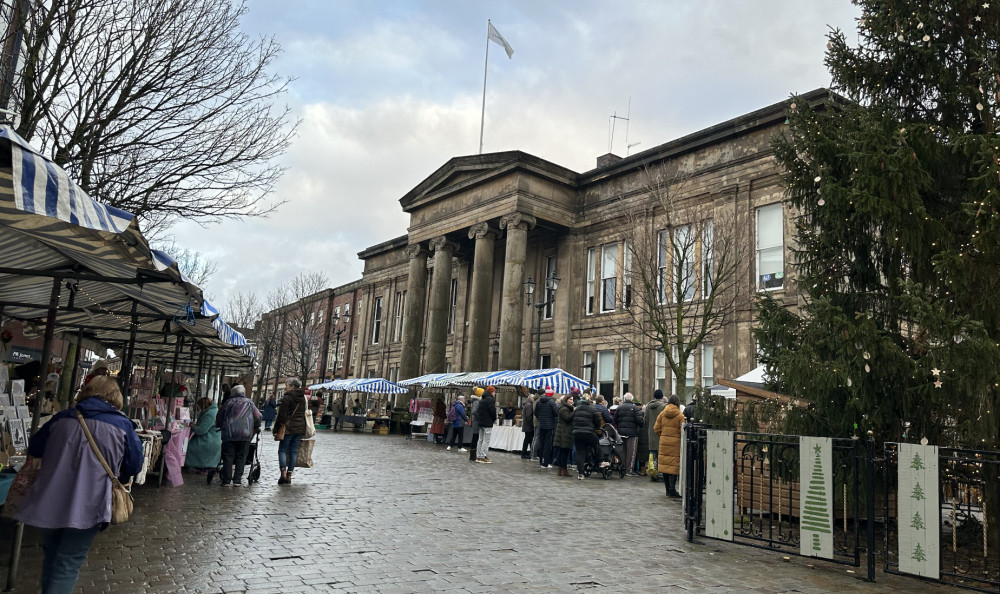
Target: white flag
496, 37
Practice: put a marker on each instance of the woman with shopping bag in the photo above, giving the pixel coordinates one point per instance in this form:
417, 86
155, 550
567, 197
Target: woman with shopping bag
290, 427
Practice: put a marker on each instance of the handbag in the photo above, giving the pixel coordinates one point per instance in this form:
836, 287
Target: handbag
279, 431
121, 499
21, 485
303, 459
310, 427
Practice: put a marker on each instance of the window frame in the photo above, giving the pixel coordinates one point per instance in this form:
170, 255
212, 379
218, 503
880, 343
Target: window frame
707, 357
591, 293
550, 270
768, 248
376, 325
611, 279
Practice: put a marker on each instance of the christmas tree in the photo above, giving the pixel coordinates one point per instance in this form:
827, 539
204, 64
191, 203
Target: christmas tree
817, 511
894, 185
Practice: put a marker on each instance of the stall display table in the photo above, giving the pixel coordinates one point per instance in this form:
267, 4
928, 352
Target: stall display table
506, 438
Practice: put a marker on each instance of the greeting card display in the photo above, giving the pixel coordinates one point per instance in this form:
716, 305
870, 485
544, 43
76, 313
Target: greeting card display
18, 434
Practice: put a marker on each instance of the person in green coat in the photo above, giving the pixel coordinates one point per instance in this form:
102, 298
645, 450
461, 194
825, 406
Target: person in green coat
205, 448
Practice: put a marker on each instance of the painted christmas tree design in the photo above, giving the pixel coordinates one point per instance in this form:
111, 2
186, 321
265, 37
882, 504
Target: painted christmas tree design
815, 517
918, 492
918, 522
918, 554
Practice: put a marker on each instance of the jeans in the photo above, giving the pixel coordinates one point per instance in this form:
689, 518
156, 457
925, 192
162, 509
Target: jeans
267, 425
585, 443
65, 551
631, 445
288, 451
534, 445
545, 446
234, 451
338, 423
457, 435
484, 442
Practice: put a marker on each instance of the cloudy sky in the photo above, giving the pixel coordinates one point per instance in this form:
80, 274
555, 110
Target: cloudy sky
388, 91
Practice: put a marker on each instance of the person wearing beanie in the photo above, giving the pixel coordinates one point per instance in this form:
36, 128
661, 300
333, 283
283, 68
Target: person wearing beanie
475, 399
546, 413
586, 425
486, 414
653, 410
628, 421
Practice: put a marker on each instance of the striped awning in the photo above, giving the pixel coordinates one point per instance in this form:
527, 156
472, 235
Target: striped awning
423, 380
557, 379
367, 385
461, 380
48, 226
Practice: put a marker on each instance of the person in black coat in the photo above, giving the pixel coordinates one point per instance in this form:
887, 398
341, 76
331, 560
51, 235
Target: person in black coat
545, 413
628, 419
486, 414
586, 425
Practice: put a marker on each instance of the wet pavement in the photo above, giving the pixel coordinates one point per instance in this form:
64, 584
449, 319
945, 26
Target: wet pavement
385, 514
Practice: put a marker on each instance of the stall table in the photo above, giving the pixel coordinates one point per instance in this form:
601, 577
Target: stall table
508, 438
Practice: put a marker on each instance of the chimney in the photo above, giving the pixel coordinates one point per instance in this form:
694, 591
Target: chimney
608, 159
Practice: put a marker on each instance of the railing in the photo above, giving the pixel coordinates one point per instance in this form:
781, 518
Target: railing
969, 499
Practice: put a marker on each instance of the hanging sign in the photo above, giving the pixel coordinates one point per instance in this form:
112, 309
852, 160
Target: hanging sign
816, 497
719, 484
919, 510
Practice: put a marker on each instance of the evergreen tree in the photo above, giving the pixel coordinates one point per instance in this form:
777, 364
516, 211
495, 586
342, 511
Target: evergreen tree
894, 184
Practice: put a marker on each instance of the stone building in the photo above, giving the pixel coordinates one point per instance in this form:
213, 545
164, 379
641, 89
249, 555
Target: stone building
450, 294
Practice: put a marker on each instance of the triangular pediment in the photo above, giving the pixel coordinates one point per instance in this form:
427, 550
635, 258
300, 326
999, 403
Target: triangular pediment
462, 173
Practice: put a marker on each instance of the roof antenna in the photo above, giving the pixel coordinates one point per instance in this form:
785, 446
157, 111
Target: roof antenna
611, 126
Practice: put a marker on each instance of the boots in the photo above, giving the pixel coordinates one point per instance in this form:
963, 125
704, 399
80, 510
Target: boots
670, 481
288, 478
284, 478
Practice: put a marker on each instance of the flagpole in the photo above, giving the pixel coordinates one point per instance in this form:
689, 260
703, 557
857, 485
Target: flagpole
482, 120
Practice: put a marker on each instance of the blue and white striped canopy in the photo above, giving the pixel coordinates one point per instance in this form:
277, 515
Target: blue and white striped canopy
423, 380
557, 379
509, 377
367, 385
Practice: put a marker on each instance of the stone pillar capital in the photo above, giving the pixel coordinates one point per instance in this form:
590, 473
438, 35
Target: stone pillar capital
517, 220
481, 230
413, 250
442, 243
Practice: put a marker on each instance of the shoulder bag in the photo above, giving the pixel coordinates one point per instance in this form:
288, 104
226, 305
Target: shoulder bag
22, 484
121, 499
279, 431
310, 427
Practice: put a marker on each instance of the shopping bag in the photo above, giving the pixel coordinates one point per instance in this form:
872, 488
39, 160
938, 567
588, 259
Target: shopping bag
21, 485
651, 466
310, 427
304, 457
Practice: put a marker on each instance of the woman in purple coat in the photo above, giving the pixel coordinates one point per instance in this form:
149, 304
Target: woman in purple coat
70, 500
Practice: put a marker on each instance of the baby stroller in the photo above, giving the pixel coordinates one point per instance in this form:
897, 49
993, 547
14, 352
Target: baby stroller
610, 456
252, 463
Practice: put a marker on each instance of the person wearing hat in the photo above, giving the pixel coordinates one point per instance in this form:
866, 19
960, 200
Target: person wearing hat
458, 424
653, 410
98, 368
486, 414
546, 413
586, 424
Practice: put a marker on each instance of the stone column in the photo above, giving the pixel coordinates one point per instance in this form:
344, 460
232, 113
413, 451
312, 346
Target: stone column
413, 314
512, 305
438, 309
480, 298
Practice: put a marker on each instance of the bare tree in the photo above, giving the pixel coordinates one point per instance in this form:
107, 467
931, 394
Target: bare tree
268, 337
303, 332
687, 267
163, 109
195, 265
243, 310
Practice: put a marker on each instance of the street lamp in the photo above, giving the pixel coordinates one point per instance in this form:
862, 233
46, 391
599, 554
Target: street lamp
336, 348
551, 284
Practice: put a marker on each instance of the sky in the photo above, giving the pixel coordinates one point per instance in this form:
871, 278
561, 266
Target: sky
387, 92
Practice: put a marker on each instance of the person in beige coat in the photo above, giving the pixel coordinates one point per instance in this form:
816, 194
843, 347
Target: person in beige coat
668, 428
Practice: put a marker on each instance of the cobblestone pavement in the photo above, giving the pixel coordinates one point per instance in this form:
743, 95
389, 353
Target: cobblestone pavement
383, 514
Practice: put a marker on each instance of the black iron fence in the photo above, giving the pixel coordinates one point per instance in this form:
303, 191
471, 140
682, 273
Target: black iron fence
766, 491
969, 495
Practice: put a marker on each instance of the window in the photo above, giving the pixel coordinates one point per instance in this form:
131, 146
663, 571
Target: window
688, 380
609, 277
624, 372
340, 354
684, 262
591, 272
661, 263
606, 374
661, 371
707, 258
453, 307
588, 367
546, 361
770, 247
319, 316
354, 352
347, 309
312, 318
397, 316
336, 312
550, 271
707, 365
392, 374
627, 277
376, 320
